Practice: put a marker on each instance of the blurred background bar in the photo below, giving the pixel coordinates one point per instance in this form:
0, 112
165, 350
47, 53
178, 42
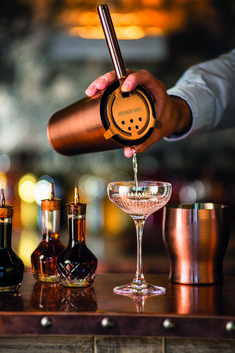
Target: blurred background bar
50, 52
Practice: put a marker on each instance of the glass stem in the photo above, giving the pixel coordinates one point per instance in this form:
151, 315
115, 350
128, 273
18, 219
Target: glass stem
139, 276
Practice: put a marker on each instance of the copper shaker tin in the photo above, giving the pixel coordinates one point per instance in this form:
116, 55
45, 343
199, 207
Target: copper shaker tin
196, 238
109, 120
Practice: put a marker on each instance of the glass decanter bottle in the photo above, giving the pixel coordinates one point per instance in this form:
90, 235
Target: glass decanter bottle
11, 266
44, 257
77, 264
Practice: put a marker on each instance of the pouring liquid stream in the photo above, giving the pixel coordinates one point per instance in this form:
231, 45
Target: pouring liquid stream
135, 166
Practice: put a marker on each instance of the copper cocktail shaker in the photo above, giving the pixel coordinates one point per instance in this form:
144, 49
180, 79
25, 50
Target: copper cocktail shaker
109, 120
196, 238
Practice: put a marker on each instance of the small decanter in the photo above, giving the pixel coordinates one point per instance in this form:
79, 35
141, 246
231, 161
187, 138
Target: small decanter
44, 257
77, 264
11, 266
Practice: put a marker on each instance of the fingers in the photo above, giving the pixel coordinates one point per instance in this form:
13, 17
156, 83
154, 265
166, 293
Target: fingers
134, 79
155, 137
142, 77
101, 83
127, 152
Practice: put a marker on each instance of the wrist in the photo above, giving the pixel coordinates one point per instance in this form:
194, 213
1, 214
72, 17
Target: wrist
183, 116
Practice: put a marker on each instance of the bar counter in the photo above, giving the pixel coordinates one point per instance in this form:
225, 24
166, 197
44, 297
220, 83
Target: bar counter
187, 312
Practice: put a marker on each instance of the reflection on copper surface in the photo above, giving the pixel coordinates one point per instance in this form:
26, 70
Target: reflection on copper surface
77, 299
11, 301
188, 299
45, 296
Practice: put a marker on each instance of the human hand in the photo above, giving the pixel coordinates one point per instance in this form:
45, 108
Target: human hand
173, 112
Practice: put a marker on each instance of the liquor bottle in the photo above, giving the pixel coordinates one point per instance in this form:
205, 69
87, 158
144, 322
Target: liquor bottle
44, 257
77, 264
11, 266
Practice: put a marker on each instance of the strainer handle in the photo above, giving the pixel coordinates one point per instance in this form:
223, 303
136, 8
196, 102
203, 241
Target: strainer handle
112, 42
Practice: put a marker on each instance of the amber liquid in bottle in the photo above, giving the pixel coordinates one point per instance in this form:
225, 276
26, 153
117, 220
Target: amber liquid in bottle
77, 264
44, 257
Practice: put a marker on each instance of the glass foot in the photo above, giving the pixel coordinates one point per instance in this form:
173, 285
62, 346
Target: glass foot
132, 289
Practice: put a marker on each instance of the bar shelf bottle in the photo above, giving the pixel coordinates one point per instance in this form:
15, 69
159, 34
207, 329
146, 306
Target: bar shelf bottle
77, 264
44, 257
11, 266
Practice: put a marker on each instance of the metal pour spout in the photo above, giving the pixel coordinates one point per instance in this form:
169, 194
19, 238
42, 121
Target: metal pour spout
51, 197
76, 195
2, 198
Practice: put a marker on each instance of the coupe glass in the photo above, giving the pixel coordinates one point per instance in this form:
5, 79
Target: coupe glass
139, 200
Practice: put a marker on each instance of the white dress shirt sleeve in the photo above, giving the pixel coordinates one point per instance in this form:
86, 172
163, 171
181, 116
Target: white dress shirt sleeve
209, 89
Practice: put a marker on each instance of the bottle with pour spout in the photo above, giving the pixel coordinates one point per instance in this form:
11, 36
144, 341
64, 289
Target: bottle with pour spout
11, 266
77, 264
44, 257
109, 120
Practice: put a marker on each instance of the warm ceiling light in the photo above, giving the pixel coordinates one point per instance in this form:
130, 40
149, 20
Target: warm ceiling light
130, 32
87, 32
96, 32
131, 25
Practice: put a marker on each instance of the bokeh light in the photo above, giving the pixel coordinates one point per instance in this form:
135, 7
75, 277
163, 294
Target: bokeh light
42, 189
92, 185
26, 187
5, 163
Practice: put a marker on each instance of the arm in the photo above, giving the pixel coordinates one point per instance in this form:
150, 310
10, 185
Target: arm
202, 100
209, 90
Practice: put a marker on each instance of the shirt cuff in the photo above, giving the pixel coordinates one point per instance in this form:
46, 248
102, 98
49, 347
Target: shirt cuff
194, 96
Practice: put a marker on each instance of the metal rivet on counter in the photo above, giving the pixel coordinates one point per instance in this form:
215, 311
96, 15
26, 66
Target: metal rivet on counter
230, 326
107, 322
46, 322
168, 324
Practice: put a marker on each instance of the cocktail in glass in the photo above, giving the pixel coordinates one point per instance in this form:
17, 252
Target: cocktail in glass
139, 200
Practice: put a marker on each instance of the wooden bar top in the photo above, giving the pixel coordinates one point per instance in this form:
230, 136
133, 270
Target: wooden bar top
206, 311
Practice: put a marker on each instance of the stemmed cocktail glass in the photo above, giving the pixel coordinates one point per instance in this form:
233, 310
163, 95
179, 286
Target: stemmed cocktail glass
139, 200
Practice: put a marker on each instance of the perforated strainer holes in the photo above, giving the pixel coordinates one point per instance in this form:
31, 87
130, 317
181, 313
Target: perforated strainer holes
131, 122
